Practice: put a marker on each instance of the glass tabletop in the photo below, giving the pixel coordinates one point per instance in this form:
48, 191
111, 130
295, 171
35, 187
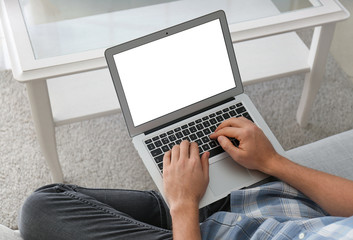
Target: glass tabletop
61, 27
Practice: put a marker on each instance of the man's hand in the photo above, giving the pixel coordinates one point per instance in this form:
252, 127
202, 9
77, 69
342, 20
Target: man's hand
185, 179
254, 152
185, 175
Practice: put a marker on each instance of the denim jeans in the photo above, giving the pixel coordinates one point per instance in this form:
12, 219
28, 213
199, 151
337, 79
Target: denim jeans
60, 211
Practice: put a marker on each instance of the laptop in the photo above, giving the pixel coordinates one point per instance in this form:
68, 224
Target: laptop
181, 83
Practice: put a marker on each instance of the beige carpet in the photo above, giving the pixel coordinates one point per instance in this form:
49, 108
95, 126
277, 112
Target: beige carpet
98, 153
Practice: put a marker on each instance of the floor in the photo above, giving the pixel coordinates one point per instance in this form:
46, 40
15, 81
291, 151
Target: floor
341, 47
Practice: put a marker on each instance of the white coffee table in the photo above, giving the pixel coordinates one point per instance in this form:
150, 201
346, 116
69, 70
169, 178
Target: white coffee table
56, 48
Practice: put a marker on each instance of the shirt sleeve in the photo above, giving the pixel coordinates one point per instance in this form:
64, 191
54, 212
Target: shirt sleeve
274, 210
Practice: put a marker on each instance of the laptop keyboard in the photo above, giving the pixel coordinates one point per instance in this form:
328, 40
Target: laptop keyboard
195, 131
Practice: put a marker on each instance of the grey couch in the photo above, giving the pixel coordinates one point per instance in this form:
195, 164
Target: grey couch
333, 155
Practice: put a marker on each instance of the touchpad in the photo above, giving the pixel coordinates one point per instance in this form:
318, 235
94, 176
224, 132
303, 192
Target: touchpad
226, 175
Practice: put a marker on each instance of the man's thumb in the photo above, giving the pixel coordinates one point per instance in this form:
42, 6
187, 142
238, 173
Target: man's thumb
228, 146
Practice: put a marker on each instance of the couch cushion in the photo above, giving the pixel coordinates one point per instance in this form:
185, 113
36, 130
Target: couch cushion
8, 234
333, 155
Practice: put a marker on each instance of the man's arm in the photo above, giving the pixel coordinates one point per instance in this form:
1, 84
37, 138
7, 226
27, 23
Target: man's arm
185, 179
334, 194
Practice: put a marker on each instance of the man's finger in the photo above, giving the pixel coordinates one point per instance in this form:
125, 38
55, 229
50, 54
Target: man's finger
184, 149
231, 132
233, 122
228, 146
175, 153
205, 164
194, 149
166, 159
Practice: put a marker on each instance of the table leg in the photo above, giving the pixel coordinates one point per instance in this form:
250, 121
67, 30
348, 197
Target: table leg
319, 49
44, 125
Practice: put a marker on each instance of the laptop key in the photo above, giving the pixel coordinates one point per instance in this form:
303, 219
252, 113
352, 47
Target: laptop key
159, 158
219, 118
156, 152
172, 138
148, 141
216, 151
205, 139
193, 129
155, 138
165, 148
200, 134
207, 131
247, 115
160, 165
193, 137
200, 151
186, 132
213, 144
177, 129
205, 147
170, 132
151, 146
165, 140
199, 142
240, 110
206, 124
232, 113
171, 145
158, 143
226, 116
199, 126
184, 126
179, 135
213, 121
213, 128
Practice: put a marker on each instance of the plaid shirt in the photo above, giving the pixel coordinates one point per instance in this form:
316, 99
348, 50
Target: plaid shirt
275, 211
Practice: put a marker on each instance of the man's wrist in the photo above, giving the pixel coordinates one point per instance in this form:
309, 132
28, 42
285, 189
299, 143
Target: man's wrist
274, 165
184, 208
185, 218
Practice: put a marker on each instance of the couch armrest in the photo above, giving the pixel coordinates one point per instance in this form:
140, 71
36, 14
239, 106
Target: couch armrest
9, 234
333, 155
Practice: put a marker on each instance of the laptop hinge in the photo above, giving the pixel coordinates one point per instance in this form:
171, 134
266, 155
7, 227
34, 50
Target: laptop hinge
189, 115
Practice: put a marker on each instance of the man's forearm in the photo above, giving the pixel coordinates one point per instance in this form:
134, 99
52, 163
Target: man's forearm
334, 194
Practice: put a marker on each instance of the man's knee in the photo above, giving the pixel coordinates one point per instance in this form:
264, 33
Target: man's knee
37, 211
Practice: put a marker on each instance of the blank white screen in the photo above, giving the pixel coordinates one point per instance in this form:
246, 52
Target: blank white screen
174, 72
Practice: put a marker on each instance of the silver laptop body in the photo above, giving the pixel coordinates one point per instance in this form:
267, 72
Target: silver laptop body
176, 84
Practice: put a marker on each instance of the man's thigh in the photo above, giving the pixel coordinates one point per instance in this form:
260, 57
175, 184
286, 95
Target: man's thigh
64, 212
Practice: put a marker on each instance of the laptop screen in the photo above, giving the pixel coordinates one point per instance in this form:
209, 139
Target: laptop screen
173, 72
